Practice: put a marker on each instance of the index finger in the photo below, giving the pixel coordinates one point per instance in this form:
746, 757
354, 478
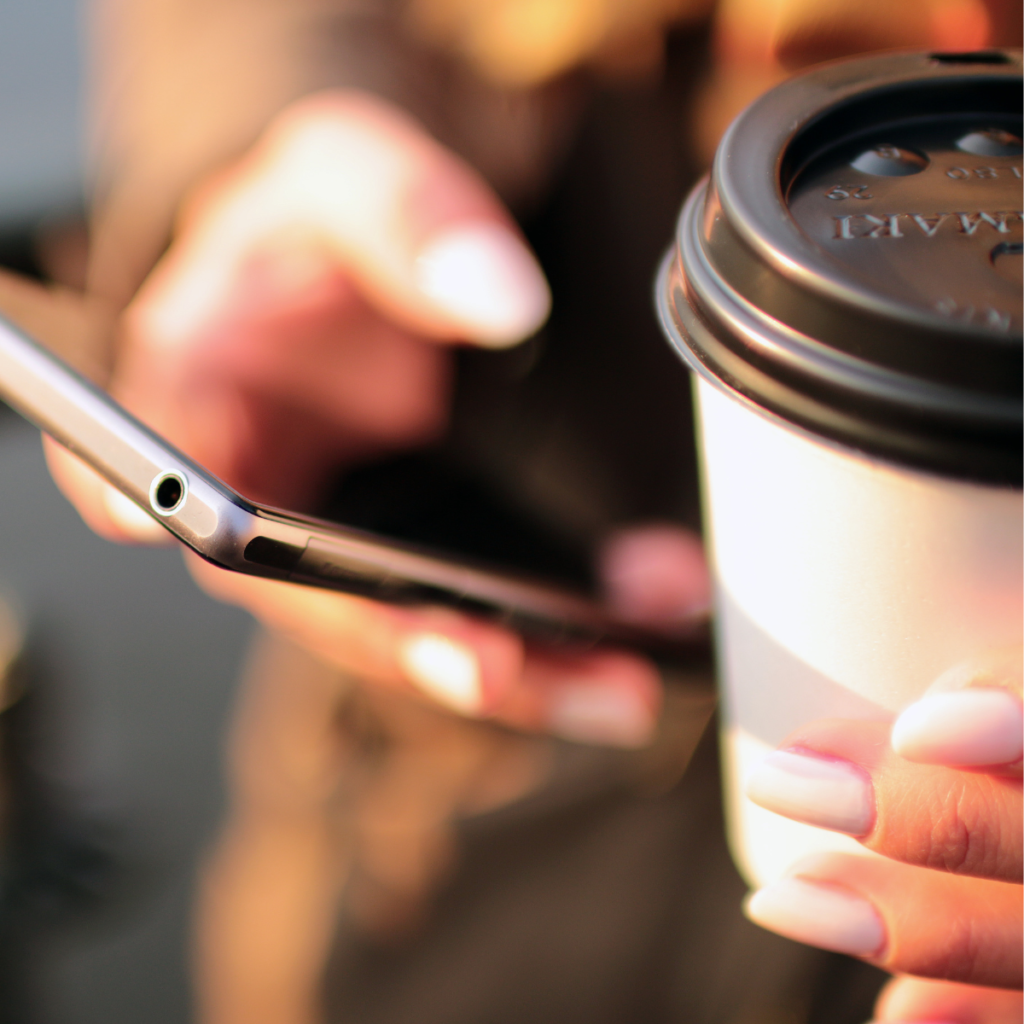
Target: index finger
843, 775
898, 917
419, 230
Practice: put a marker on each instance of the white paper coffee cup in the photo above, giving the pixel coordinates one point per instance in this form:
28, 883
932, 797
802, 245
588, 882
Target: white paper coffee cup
845, 587
855, 332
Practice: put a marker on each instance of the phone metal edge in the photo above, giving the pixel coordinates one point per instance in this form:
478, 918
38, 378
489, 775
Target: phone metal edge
219, 524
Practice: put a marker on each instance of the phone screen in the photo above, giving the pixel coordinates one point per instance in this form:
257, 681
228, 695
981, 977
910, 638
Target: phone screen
425, 499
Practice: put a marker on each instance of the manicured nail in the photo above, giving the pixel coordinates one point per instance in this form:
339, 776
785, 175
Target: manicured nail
600, 714
447, 671
977, 726
484, 277
819, 791
818, 915
656, 575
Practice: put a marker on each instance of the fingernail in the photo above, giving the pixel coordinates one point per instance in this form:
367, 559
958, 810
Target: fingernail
818, 915
484, 277
443, 669
656, 575
976, 726
819, 791
600, 714
632, 601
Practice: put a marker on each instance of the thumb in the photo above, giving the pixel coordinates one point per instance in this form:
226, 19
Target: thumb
361, 183
971, 716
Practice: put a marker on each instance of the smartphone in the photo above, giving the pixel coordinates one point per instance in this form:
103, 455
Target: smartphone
234, 533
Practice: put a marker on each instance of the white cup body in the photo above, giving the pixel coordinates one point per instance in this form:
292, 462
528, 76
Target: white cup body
845, 586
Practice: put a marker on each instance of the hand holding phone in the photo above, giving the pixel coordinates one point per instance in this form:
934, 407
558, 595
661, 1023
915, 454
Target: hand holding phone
292, 329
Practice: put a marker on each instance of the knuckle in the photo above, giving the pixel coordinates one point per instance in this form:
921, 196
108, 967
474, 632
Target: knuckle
957, 822
960, 842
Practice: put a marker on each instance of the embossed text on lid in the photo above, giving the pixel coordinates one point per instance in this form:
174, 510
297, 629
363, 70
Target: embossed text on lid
925, 239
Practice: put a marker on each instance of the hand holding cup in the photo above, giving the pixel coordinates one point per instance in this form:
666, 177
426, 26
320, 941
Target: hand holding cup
938, 794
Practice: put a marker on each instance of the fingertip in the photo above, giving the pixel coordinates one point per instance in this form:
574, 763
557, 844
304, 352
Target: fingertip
656, 575
826, 792
445, 670
482, 276
975, 727
601, 714
818, 914
468, 667
604, 697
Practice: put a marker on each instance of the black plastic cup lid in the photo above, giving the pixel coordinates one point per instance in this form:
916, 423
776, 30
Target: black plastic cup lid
853, 264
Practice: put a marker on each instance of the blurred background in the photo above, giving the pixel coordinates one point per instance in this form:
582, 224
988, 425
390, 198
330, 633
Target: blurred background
602, 892
41, 108
117, 673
